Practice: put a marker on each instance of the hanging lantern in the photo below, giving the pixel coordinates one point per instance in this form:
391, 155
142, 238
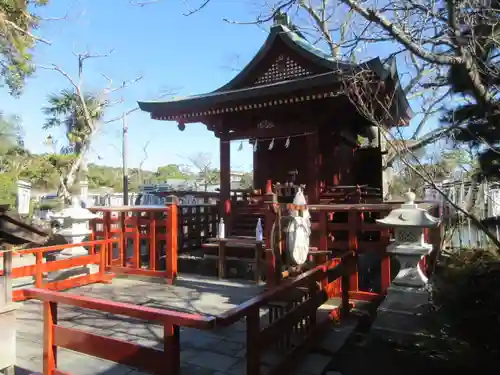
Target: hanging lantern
181, 126
287, 142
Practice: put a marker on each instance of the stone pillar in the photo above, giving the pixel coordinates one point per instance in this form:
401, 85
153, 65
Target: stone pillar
23, 197
7, 317
399, 317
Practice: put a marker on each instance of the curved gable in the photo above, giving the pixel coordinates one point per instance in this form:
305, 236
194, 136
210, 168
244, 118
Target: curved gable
283, 56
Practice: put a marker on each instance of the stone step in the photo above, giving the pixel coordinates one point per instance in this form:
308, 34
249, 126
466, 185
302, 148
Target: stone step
337, 336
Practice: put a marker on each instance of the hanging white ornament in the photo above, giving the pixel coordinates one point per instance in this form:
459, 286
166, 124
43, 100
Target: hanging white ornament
240, 146
271, 145
287, 142
299, 230
255, 146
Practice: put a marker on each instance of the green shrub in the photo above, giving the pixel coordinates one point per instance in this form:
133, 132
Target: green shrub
466, 299
8, 190
53, 204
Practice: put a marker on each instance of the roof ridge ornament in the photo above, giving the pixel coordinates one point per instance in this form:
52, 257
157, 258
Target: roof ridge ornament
280, 18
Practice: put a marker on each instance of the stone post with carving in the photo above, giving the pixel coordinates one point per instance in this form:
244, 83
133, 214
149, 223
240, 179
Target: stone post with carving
399, 317
23, 197
84, 192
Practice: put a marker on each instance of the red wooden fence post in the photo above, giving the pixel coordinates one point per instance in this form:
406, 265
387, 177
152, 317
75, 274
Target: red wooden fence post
92, 237
123, 239
49, 349
152, 240
172, 349
107, 235
102, 260
323, 242
269, 255
344, 286
353, 223
39, 269
253, 347
171, 248
136, 245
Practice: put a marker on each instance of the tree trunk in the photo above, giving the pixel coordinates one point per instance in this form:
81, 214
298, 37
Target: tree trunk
67, 182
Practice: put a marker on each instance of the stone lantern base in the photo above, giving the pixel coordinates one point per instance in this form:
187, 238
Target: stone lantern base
401, 316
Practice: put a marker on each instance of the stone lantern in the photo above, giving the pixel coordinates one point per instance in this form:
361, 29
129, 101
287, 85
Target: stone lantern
75, 228
400, 315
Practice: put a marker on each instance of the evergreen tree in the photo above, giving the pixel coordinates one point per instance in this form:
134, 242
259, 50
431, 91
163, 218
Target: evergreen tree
479, 113
16, 41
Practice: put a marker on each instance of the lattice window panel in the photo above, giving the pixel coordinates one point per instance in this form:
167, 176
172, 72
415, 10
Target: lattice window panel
283, 68
409, 235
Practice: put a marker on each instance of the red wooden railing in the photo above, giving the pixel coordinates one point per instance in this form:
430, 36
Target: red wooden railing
161, 362
346, 227
38, 269
337, 228
196, 223
297, 326
155, 226
293, 305
353, 227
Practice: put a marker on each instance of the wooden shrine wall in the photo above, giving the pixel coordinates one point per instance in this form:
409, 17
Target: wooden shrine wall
275, 164
341, 163
368, 167
338, 161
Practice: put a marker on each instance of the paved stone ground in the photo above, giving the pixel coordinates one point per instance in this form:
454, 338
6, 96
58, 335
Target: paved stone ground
203, 353
219, 352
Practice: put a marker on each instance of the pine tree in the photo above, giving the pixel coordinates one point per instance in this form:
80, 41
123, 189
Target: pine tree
479, 116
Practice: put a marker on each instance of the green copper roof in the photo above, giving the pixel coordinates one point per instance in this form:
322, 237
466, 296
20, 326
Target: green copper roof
236, 90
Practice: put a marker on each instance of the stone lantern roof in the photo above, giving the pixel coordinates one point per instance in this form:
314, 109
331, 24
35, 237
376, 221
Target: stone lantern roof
409, 215
75, 212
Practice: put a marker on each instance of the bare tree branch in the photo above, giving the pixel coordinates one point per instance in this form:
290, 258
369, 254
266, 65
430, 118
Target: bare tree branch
68, 179
192, 11
143, 3
25, 32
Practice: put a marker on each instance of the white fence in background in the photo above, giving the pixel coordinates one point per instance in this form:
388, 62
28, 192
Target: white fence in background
481, 199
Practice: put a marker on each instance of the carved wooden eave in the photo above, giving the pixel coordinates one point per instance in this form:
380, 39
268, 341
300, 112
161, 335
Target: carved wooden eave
287, 70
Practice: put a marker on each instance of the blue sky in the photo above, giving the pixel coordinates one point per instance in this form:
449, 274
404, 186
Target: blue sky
187, 55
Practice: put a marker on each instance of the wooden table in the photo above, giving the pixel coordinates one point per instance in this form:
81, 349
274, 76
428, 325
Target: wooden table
236, 242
